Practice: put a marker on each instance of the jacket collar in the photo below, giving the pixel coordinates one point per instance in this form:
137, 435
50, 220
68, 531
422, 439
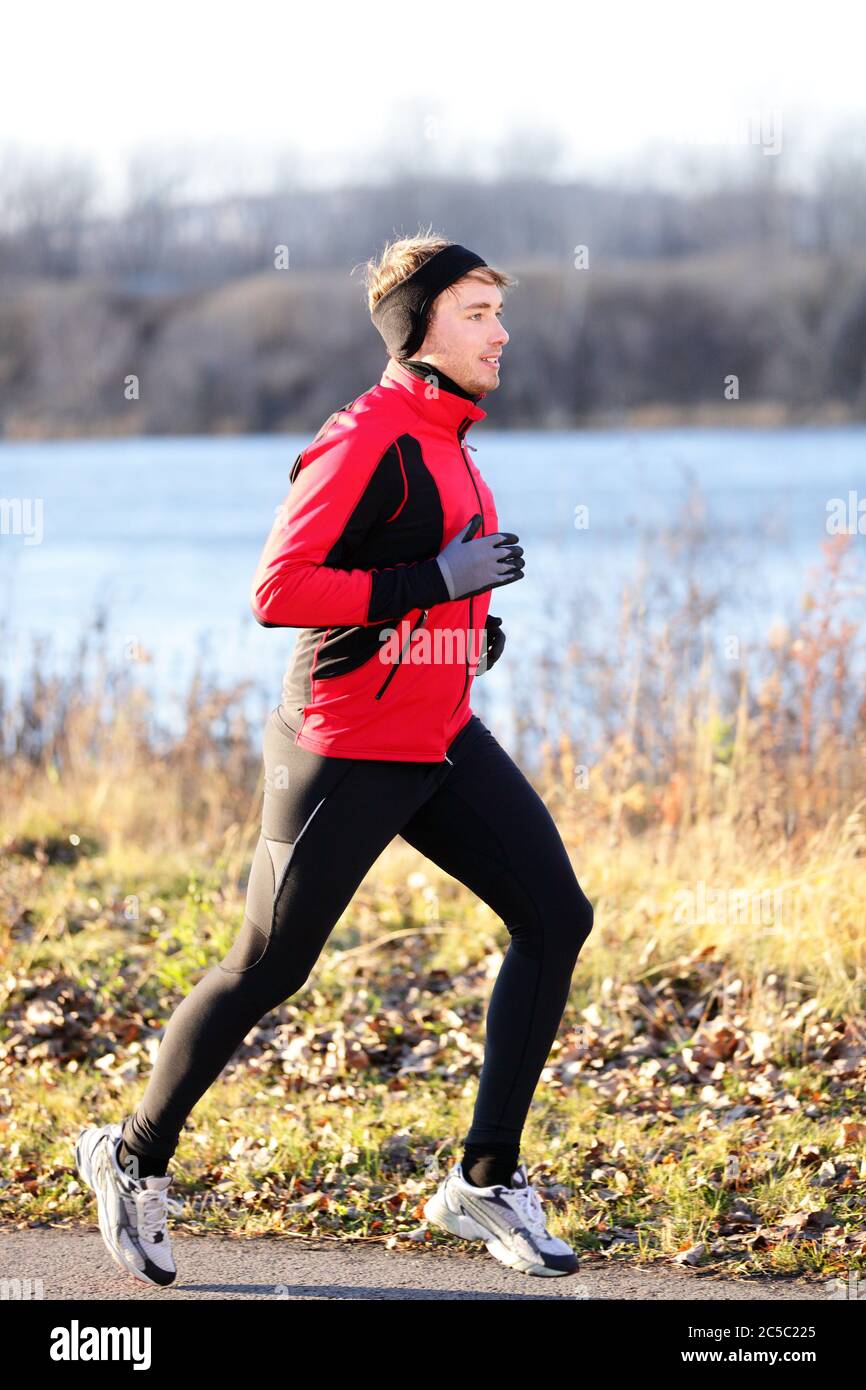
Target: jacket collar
446, 409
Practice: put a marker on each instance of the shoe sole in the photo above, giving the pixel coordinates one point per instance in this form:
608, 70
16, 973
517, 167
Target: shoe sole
438, 1213
82, 1164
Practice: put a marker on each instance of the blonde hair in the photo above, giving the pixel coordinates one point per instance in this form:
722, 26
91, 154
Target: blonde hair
400, 258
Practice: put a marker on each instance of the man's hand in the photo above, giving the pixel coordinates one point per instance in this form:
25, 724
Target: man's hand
493, 646
472, 567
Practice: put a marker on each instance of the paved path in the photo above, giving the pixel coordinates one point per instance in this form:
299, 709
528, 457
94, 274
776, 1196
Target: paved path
74, 1264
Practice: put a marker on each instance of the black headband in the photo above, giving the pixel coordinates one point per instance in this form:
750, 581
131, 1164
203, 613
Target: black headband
401, 314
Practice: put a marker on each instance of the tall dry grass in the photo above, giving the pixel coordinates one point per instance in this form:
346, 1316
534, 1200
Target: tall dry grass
758, 750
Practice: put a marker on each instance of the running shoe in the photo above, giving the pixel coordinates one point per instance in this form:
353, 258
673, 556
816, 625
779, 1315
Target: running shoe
509, 1220
132, 1213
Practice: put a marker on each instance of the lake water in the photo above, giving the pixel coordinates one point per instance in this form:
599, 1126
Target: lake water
164, 535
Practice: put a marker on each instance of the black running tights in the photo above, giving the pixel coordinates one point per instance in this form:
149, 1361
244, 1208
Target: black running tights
325, 821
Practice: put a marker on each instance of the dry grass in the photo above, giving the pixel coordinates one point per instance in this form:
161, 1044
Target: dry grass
703, 1100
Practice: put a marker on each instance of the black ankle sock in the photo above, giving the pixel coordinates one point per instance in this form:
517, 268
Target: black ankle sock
147, 1167
485, 1164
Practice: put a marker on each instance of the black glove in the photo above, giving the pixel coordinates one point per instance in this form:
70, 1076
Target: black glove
495, 643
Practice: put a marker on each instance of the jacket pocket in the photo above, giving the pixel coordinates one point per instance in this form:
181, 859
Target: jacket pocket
395, 668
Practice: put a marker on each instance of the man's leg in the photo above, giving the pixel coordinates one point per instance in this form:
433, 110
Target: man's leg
488, 827
325, 821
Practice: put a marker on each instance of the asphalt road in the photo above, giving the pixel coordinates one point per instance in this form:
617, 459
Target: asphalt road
74, 1264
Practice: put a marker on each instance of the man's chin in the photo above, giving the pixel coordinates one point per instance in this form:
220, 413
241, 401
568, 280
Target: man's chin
483, 388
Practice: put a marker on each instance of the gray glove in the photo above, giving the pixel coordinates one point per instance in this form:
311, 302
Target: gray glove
474, 566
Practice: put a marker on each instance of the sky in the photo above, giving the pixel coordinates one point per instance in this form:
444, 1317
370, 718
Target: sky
611, 89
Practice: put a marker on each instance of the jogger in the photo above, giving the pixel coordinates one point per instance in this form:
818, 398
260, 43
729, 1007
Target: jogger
325, 821
388, 520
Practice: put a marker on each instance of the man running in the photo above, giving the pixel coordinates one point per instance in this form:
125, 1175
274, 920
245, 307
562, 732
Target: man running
385, 553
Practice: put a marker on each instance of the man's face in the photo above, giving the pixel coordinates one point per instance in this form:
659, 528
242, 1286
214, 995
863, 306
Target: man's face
465, 329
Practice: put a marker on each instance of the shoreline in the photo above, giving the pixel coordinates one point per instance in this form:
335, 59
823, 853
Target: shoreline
656, 416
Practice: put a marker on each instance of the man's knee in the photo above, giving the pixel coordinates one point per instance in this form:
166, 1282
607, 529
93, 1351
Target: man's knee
574, 920
267, 963
584, 917
565, 923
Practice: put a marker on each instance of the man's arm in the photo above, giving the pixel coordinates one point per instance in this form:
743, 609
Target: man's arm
338, 494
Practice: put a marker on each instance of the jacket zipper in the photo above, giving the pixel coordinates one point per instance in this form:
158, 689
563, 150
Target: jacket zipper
461, 430
392, 673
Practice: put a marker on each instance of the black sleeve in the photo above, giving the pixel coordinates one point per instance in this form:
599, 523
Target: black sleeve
397, 590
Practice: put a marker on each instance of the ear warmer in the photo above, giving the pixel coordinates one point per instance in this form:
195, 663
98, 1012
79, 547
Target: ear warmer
401, 314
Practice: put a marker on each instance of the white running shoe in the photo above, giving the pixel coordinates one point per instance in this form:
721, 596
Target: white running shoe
132, 1213
509, 1220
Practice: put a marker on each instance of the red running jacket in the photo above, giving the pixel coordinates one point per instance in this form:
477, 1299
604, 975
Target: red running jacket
385, 664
